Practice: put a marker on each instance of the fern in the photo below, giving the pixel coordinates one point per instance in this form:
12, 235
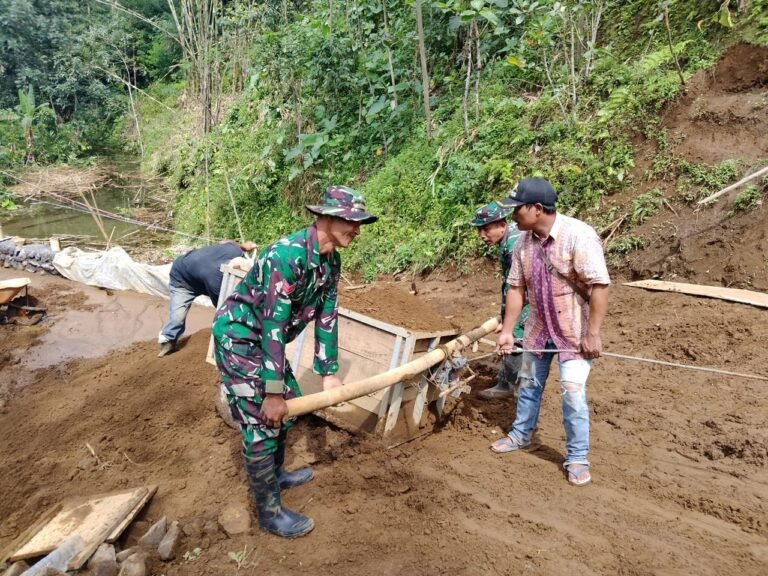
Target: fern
659, 58
618, 99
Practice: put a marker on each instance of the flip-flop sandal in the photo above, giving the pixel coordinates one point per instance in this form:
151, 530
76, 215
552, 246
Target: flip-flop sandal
507, 444
576, 474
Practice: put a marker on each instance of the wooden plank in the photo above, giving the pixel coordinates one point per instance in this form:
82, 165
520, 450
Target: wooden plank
427, 336
93, 519
115, 534
366, 340
397, 391
394, 362
29, 532
414, 416
731, 294
392, 329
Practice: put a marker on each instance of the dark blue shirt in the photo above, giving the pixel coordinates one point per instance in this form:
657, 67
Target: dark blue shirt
199, 272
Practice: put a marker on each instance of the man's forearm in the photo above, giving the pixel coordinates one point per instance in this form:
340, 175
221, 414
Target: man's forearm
598, 307
514, 305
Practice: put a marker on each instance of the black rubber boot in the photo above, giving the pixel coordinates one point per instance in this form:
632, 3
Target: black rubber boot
498, 392
265, 491
290, 479
507, 385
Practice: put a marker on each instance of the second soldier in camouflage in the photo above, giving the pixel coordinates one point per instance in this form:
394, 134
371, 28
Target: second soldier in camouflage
491, 224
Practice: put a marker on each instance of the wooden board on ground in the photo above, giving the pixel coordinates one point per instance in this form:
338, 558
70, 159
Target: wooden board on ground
94, 519
115, 534
732, 294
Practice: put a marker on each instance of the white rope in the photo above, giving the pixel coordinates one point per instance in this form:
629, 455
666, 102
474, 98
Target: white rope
637, 359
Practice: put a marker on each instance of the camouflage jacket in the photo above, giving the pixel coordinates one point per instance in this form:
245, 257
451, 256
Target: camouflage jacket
289, 286
507, 246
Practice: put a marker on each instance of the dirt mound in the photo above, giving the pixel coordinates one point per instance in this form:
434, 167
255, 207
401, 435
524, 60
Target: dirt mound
722, 116
723, 113
393, 305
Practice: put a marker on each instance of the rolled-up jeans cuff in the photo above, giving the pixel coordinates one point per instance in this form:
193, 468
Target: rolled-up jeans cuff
274, 386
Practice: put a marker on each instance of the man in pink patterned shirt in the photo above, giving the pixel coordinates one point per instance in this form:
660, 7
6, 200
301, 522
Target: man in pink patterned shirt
559, 264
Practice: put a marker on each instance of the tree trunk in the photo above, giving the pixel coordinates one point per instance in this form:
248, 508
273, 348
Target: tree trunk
424, 72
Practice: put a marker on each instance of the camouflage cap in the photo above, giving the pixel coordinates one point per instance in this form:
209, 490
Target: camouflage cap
344, 203
492, 212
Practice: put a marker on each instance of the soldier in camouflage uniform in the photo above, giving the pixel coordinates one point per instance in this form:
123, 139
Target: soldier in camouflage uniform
491, 224
293, 282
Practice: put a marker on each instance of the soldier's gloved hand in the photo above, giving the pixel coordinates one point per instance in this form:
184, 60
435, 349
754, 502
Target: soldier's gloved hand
273, 410
331, 381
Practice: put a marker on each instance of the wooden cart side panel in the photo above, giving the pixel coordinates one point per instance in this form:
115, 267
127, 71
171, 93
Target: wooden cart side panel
353, 366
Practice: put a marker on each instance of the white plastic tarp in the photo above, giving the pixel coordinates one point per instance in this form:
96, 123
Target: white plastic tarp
115, 269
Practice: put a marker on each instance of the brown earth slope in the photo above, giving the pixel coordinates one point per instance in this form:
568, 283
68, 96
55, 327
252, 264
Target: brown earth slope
722, 116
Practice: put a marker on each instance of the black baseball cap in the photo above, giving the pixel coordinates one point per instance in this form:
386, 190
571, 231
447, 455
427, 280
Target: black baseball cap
531, 191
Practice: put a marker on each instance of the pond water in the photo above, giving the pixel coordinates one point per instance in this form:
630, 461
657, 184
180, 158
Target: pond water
44, 217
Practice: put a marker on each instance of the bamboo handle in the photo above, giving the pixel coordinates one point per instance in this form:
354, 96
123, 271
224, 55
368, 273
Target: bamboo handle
320, 400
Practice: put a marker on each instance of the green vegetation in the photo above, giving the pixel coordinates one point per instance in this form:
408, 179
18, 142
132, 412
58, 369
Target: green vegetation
625, 245
644, 206
251, 109
697, 181
749, 198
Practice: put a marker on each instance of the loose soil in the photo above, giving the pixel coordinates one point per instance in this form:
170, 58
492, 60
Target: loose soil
393, 305
679, 458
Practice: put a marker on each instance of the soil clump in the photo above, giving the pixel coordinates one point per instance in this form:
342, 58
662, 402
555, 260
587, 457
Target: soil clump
391, 304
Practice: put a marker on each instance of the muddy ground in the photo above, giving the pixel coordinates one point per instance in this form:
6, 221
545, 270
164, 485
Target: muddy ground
679, 457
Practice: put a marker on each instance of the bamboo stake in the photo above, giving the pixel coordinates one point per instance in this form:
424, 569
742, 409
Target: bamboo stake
96, 219
327, 398
234, 206
733, 186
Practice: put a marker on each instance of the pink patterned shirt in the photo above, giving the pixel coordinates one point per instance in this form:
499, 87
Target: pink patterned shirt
557, 312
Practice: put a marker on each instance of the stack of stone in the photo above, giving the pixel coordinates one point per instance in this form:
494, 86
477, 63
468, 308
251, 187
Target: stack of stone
30, 258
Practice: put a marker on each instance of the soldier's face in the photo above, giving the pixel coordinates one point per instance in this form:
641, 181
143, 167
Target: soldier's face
492, 233
342, 232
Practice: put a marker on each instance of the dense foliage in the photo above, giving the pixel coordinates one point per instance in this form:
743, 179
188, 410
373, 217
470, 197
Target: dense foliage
64, 65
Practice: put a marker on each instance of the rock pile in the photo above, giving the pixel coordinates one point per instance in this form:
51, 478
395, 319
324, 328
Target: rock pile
30, 257
161, 541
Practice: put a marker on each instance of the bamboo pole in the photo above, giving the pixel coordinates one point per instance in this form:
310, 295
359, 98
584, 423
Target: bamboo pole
327, 398
733, 186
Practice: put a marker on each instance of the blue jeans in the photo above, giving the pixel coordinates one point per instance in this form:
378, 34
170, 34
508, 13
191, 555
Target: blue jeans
180, 302
573, 389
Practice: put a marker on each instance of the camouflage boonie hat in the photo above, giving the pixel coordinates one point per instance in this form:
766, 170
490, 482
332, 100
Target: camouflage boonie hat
344, 203
492, 212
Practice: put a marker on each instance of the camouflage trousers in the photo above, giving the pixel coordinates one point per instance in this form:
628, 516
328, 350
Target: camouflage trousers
245, 395
510, 366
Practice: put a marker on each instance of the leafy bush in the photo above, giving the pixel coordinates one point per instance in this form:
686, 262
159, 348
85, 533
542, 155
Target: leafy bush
749, 198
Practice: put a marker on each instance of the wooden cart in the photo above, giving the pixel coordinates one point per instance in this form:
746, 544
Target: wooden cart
367, 347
